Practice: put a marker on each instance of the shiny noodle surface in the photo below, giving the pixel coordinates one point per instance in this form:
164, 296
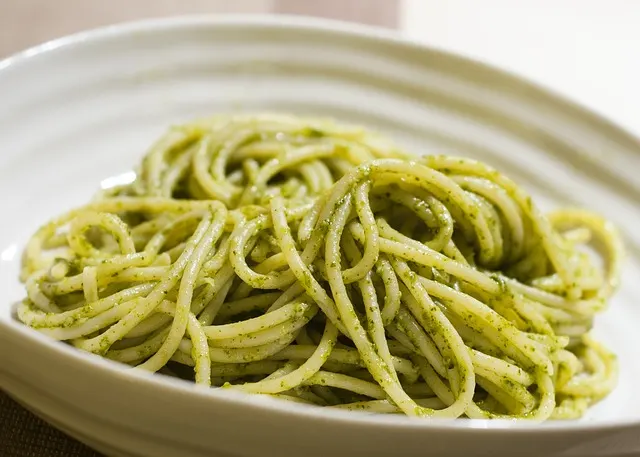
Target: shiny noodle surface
318, 263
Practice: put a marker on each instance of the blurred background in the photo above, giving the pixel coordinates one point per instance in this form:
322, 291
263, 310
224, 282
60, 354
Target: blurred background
587, 50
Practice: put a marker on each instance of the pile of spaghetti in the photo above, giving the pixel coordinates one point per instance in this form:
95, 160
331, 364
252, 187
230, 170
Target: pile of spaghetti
318, 263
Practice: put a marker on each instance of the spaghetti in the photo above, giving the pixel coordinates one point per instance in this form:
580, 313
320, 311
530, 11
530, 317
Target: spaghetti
318, 263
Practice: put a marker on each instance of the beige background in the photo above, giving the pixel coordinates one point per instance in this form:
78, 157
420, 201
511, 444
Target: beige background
24, 23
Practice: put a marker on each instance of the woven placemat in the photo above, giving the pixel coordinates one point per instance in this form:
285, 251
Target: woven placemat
24, 435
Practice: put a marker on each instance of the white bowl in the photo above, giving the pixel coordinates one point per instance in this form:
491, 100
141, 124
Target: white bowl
82, 109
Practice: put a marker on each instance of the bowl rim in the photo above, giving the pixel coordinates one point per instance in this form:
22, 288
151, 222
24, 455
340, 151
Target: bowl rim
329, 27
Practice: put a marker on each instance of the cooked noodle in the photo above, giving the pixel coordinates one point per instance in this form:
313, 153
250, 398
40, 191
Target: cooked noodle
318, 263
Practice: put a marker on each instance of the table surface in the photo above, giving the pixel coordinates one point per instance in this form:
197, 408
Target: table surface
585, 49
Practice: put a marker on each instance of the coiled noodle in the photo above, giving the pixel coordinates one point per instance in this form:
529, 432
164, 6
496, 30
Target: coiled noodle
318, 263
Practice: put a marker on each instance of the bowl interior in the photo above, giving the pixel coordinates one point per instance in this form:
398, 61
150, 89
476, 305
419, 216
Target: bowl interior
79, 113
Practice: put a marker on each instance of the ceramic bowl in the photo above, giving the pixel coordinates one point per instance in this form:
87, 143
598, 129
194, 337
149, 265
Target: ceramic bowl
81, 110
